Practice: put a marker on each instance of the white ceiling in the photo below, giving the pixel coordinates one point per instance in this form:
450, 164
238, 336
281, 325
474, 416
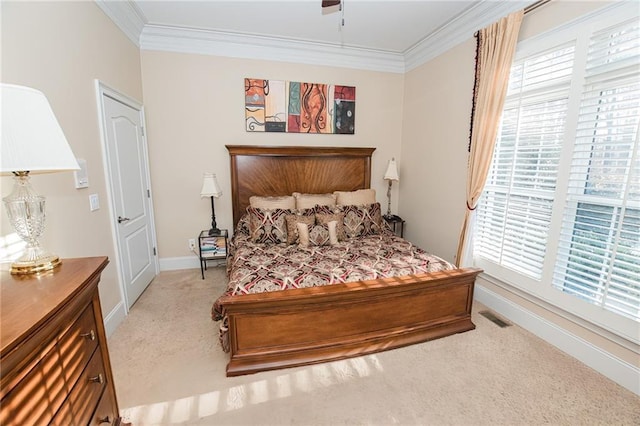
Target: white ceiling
391, 35
380, 25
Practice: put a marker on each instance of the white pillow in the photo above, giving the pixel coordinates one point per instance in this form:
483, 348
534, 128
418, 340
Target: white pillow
309, 201
355, 198
303, 234
271, 203
333, 232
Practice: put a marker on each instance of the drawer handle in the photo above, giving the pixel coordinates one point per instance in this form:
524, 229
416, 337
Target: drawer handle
104, 420
97, 379
90, 335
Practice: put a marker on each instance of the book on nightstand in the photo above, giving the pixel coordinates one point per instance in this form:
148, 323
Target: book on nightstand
213, 246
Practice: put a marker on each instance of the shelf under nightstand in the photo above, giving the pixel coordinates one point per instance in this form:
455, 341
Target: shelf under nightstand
212, 247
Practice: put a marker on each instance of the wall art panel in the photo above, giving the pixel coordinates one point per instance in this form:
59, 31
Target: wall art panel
299, 107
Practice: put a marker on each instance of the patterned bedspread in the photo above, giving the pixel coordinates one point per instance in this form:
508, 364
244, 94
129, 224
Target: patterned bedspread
257, 268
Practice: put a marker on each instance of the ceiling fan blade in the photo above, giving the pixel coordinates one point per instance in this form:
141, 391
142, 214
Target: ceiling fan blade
330, 3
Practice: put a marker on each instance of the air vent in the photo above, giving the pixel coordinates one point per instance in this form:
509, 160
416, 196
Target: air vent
494, 319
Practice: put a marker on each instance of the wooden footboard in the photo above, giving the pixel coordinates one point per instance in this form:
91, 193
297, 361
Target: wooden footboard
306, 326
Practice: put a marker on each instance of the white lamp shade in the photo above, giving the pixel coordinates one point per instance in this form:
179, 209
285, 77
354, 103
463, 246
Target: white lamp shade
32, 139
210, 187
392, 171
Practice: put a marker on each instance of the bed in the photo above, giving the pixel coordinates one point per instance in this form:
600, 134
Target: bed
313, 324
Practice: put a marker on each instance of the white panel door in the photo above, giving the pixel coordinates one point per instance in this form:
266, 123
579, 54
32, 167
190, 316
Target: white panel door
128, 170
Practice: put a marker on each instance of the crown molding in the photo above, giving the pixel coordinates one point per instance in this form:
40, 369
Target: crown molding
130, 19
238, 45
460, 29
126, 15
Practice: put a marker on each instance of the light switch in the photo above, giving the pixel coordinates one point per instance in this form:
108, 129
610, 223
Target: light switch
94, 202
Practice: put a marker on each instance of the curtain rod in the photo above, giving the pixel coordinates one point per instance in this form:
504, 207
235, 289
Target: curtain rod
535, 5
530, 8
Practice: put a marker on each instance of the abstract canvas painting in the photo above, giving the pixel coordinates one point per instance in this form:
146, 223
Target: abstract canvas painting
297, 107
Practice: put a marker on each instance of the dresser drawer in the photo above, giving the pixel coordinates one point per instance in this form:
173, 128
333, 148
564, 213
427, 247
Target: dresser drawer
106, 413
83, 399
78, 344
39, 394
36, 398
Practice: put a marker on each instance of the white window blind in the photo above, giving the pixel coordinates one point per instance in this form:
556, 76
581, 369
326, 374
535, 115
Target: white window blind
515, 211
560, 213
599, 254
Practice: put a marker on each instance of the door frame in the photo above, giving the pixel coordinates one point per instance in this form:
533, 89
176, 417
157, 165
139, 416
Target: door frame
103, 90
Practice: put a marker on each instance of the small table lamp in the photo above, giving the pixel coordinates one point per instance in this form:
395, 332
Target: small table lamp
210, 188
32, 142
391, 174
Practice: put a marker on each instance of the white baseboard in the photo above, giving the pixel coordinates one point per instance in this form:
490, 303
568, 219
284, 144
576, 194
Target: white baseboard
114, 318
175, 263
185, 262
619, 371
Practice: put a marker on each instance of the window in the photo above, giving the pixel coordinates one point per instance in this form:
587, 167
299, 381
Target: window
599, 258
560, 213
515, 211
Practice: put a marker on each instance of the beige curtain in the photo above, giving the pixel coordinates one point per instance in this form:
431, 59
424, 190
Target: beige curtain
496, 47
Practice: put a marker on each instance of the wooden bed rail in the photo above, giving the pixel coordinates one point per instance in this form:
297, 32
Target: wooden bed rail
306, 326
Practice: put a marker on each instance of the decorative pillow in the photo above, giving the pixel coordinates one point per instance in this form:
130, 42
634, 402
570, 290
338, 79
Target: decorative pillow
268, 226
243, 225
333, 232
272, 203
360, 221
324, 218
360, 197
328, 209
292, 228
307, 201
318, 235
303, 233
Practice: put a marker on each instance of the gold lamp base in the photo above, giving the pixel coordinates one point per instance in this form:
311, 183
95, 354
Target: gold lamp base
42, 264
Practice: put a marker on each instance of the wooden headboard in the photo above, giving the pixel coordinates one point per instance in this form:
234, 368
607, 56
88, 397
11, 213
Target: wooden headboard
279, 170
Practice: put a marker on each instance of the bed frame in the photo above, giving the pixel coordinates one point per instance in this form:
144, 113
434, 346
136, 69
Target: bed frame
310, 325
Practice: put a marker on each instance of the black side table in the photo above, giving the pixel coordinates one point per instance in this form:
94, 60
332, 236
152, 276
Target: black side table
212, 247
396, 223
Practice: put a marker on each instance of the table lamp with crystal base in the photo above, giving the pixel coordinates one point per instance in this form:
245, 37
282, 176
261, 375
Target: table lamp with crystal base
32, 142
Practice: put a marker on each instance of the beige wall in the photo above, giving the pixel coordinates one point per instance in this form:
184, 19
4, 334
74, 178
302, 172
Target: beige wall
60, 48
435, 137
195, 105
437, 107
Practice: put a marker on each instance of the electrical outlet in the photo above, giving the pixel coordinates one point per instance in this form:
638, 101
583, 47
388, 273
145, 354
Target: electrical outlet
192, 244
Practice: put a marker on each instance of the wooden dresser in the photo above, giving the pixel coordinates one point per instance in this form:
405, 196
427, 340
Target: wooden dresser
54, 361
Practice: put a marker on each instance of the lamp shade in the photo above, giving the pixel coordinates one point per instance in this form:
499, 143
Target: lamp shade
392, 171
210, 187
32, 139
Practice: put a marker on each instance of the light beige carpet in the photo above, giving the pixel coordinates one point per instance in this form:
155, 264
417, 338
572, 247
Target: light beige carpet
169, 369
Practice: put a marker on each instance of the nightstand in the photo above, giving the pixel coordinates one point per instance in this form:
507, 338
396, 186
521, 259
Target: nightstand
396, 223
212, 247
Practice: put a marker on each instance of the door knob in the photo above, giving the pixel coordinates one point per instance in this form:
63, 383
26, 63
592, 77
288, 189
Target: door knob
122, 219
